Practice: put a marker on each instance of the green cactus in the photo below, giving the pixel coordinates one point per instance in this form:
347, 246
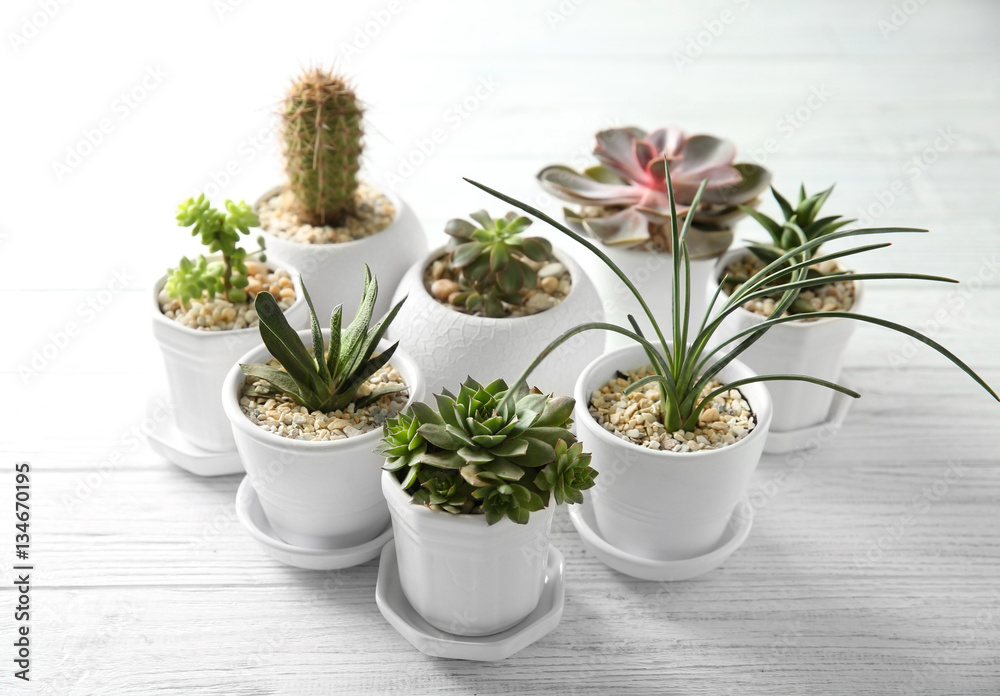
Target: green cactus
322, 130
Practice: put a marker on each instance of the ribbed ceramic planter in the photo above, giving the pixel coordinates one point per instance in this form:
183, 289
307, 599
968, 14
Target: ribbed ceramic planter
812, 348
461, 575
334, 273
665, 505
315, 494
652, 274
450, 346
197, 363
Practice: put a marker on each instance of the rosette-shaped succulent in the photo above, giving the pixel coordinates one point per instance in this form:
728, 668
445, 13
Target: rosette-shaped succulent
488, 451
625, 196
489, 260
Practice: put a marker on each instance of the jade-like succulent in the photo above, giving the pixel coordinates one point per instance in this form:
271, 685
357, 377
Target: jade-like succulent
629, 188
220, 232
487, 259
325, 379
800, 225
322, 131
488, 450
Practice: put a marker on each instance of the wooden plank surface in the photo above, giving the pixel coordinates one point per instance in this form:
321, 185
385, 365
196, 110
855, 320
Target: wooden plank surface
869, 570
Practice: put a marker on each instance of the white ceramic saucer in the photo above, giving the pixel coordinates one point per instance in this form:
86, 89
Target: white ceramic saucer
791, 440
737, 530
251, 514
434, 642
167, 441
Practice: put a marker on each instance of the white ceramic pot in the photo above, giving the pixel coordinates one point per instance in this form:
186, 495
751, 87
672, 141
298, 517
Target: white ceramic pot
315, 494
811, 348
334, 273
450, 346
461, 575
652, 274
197, 363
665, 505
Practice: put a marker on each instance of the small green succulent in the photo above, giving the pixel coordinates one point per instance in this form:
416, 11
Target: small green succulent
480, 452
800, 225
220, 232
325, 380
487, 259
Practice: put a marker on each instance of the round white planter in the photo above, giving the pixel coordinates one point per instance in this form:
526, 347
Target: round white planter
334, 273
461, 575
197, 363
652, 274
811, 348
450, 346
315, 494
665, 505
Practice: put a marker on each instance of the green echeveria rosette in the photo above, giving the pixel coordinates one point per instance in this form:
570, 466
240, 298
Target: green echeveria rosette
486, 452
489, 261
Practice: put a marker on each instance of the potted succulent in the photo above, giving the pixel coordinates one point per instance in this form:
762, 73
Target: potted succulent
306, 422
204, 317
816, 346
471, 487
324, 221
676, 428
624, 205
486, 301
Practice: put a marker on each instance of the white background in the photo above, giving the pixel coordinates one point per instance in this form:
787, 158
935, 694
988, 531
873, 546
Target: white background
146, 583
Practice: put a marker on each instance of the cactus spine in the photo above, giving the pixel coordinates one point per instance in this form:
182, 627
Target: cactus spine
321, 125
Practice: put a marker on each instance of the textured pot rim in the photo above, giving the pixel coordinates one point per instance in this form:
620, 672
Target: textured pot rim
477, 521
793, 325
763, 411
240, 421
160, 318
396, 201
575, 273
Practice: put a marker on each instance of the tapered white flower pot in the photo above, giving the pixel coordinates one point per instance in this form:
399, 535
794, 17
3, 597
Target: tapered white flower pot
652, 274
461, 575
811, 348
333, 272
316, 494
665, 505
197, 363
449, 345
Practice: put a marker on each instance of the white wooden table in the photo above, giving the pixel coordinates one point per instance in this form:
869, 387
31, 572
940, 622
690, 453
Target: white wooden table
870, 569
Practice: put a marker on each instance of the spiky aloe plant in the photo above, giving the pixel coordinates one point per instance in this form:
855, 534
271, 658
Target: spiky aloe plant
800, 224
486, 257
488, 450
682, 372
325, 379
220, 232
629, 185
322, 131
